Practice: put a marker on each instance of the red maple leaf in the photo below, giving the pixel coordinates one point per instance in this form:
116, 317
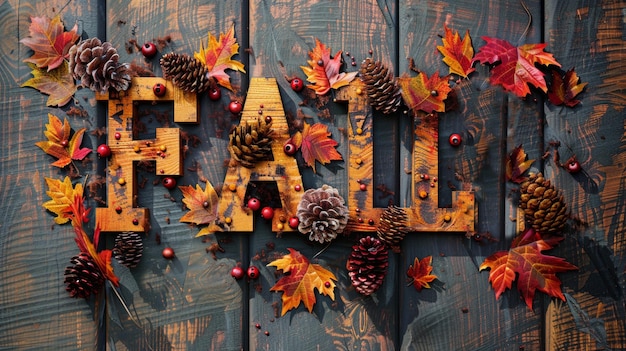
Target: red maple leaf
420, 271
315, 144
323, 72
526, 263
423, 93
218, 56
457, 53
517, 164
59, 143
564, 89
49, 41
515, 66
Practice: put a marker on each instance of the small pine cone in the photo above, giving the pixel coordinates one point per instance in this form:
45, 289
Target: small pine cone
392, 226
543, 205
128, 249
322, 214
382, 88
251, 142
84, 277
185, 72
367, 265
96, 65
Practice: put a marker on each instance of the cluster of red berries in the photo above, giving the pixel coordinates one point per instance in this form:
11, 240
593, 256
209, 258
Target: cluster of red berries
238, 272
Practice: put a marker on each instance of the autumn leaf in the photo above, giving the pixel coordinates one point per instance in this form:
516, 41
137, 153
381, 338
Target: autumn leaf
323, 72
57, 83
59, 143
302, 280
564, 89
202, 204
515, 66
315, 144
218, 56
62, 195
420, 271
457, 53
517, 164
49, 41
423, 93
526, 263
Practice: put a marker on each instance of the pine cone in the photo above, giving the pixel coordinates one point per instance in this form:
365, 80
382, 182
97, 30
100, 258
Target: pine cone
84, 277
322, 214
186, 72
96, 65
128, 249
252, 142
367, 265
382, 88
543, 205
392, 226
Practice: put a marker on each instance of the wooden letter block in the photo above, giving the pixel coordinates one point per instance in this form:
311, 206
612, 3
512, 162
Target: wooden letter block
122, 213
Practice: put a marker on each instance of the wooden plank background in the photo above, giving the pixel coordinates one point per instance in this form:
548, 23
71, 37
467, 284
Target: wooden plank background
192, 303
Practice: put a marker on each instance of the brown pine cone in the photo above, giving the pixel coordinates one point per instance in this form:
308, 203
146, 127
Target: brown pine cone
128, 249
186, 72
251, 142
392, 226
322, 214
382, 89
367, 265
96, 65
543, 205
84, 277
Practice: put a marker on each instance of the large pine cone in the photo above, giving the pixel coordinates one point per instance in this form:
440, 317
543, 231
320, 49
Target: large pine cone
322, 214
251, 142
128, 249
392, 226
543, 205
186, 72
96, 65
84, 277
367, 265
382, 88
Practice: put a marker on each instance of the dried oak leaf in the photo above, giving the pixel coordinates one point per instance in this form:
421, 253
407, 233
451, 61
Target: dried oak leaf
526, 263
49, 41
218, 56
62, 195
323, 71
457, 53
517, 164
202, 204
515, 66
315, 144
420, 271
57, 83
423, 93
304, 277
564, 89
59, 143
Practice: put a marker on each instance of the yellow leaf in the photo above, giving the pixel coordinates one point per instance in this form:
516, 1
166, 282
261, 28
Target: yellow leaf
57, 83
202, 204
61, 195
218, 56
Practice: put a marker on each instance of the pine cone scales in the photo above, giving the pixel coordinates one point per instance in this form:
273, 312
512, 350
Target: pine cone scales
382, 88
322, 214
251, 142
186, 72
128, 249
96, 65
392, 226
84, 277
367, 265
543, 205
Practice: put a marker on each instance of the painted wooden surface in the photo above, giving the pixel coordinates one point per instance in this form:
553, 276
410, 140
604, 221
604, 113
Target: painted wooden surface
192, 303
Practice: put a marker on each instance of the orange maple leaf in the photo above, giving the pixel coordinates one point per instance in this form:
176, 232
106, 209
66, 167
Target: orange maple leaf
315, 144
49, 41
564, 89
57, 83
515, 66
323, 72
218, 56
62, 195
202, 204
420, 271
517, 164
304, 277
533, 269
423, 93
59, 143
457, 53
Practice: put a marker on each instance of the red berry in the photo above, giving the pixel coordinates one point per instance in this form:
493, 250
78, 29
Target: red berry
215, 94
363, 187
159, 89
258, 326
169, 183
253, 272
289, 148
293, 222
118, 135
235, 107
297, 85
254, 204
135, 221
267, 213
104, 150
64, 143
297, 187
268, 119
455, 139
237, 272
118, 209
327, 284
573, 166
168, 253
149, 49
